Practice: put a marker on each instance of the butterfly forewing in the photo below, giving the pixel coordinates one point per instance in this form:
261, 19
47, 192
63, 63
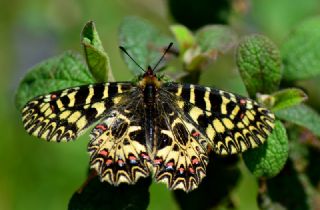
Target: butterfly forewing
231, 123
63, 115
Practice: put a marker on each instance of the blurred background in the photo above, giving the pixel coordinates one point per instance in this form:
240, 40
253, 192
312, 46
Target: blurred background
38, 175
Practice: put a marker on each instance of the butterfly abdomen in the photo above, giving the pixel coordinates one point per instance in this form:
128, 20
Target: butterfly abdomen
149, 94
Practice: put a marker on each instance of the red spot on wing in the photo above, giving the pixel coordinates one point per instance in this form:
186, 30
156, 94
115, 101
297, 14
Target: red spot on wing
120, 162
195, 134
191, 170
131, 157
145, 156
241, 116
157, 160
195, 161
169, 165
243, 101
101, 127
103, 153
53, 96
108, 162
181, 170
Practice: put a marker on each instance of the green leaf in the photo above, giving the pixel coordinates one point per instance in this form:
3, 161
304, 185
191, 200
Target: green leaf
183, 36
211, 40
301, 115
268, 159
301, 51
57, 73
143, 42
287, 98
97, 59
219, 38
195, 61
259, 63
283, 99
97, 195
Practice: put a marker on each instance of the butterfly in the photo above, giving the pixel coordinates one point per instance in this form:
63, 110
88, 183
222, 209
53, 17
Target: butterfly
150, 127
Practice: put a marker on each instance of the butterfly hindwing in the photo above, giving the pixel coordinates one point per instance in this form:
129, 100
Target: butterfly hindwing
118, 145
63, 115
231, 123
181, 157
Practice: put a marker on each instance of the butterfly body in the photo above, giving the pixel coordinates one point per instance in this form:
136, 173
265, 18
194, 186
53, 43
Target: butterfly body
150, 127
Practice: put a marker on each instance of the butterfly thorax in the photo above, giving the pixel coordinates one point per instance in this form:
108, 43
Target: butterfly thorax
149, 84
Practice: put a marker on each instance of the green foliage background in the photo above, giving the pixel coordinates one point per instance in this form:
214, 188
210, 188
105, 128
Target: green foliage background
39, 175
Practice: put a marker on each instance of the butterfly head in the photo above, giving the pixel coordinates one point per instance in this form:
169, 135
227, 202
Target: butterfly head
149, 78
149, 72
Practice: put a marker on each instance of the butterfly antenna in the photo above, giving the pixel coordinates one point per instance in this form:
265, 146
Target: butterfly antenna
165, 52
126, 52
